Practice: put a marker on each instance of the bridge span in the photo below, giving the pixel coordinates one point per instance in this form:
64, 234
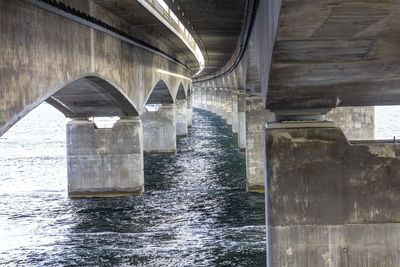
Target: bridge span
296, 80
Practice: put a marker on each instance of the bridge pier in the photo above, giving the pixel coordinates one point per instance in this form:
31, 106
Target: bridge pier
159, 130
331, 202
203, 98
228, 106
213, 100
104, 162
189, 116
242, 121
256, 118
235, 114
218, 102
223, 104
209, 98
181, 118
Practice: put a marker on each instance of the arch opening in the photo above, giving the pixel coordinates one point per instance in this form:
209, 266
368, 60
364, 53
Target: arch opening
180, 95
160, 95
91, 96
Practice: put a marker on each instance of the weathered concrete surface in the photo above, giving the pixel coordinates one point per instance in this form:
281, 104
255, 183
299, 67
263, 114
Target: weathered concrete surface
228, 107
42, 53
235, 112
357, 123
104, 162
256, 119
204, 98
181, 118
223, 104
329, 55
242, 121
213, 100
218, 109
197, 97
189, 114
210, 99
331, 203
159, 130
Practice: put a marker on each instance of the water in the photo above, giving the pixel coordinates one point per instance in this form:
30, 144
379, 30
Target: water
194, 211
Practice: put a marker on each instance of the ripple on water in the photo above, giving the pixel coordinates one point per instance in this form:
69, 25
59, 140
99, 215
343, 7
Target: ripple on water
194, 212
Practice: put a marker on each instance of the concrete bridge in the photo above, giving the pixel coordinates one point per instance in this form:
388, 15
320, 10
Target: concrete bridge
295, 79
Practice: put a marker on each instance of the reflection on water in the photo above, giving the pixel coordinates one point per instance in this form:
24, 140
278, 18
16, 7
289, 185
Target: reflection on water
194, 212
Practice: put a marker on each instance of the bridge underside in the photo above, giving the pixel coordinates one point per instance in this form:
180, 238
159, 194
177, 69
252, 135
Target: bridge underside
91, 97
336, 54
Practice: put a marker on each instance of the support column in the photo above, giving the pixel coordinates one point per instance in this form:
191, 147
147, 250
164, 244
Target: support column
159, 130
209, 99
204, 98
218, 102
196, 97
235, 112
331, 202
104, 162
229, 107
181, 118
189, 111
242, 121
223, 104
256, 118
212, 102
214, 106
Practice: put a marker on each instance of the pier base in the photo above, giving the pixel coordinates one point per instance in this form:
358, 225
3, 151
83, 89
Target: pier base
181, 118
104, 162
331, 202
159, 130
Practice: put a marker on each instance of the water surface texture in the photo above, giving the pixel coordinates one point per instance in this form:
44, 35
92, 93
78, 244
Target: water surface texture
194, 212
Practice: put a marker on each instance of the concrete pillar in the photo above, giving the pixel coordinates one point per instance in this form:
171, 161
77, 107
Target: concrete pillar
331, 202
357, 123
196, 97
228, 106
159, 130
242, 121
218, 101
204, 98
256, 118
223, 104
209, 99
181, 118
189, 114
214, 103
212, 100
235, 112
104, 162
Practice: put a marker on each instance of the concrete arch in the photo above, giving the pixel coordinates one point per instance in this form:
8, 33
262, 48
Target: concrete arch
160, 94
89, 95
32, 70
180, 94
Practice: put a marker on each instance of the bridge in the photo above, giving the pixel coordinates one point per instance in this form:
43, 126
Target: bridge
295, 79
